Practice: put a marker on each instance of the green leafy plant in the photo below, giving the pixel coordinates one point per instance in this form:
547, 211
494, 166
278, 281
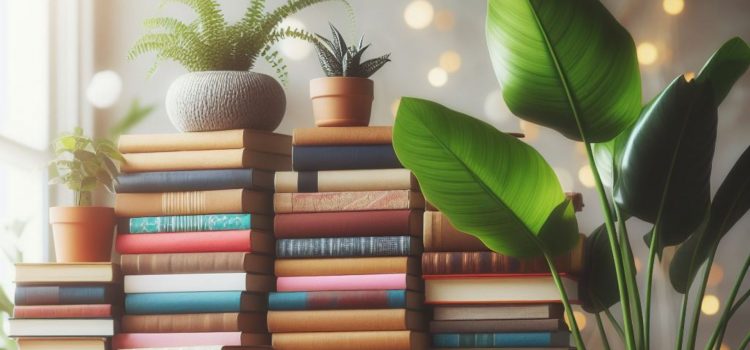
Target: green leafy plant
576, 72
340, 60
210, 43
82, 163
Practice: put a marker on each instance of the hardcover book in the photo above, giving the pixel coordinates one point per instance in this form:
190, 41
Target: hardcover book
498, 326
345, 180
64, 311
347, 247
348, 135
382, 340
344, 320
346, 266
205, 282
496, 312
204, 160
349, 282
67, 273
66, 295
346, 201
257, 140
208, 347
61, 327
313, 158
188, 323
63, 343
196, 223
204, 242
159, 340
521, 339
195, 180
475, 289
343, 300
193, 302
349, 224
190, 203
155, 264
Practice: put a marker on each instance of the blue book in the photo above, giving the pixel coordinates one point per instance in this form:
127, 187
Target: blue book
496, 340
311, 158
195, 180
66, 295
193, 302
347, 246
339, 300
196, 223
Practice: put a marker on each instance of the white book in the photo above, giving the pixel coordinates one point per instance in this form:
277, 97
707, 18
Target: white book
198, 282
496, 289
62, 327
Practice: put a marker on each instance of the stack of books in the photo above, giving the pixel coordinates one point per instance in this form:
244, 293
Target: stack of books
348, 237
196, 215
482, 299
66, 306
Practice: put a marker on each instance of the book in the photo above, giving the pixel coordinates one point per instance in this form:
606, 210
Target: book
345, 180
204, 282
344, 320
347, 247
494, 326
155, 264
349, 224
66, 295
96, 272
39, 327
473, 289
349, 282
252, 322
311, 158
190, 203
446, 263
193, 302
346, 266
348, 135
194, 180
157, 340
208, 347
262, 141
520, 339
440, 236
575, 197
63, 343
196, 223
204, 242
204, 160
497, 312
382, 340
346, 201
342, 300
64, 311
508, 348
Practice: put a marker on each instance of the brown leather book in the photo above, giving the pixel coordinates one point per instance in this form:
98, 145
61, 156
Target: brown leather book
344, 320
346, 266
262, 141
349, 224
66, 311
440, 236
345, 180
349, 135
346, 201
497, 312
383, 340
195, 323
241, 158
498, 326
46, 273
157, 264
192, 203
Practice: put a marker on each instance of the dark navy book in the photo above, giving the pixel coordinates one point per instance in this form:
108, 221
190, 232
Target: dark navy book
310, 158
194, 180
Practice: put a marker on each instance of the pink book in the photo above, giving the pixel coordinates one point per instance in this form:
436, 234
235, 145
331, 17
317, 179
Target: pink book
348, 282
156, 340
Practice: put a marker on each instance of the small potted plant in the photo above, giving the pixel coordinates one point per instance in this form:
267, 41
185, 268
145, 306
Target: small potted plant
220, 92
344, 97
83, 233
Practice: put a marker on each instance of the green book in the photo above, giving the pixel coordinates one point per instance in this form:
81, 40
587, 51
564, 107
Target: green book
197, 223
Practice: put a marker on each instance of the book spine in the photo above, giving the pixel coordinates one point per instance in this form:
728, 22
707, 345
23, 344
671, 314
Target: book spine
339, 320
344, 180
504, 326
525, 339
205, 282
383, 340
339, 283
156, 340
63, 311
65, 295
347, 201
344, 246
345, 266
192, 203
225, 241
441, 236
180, 181
371, 135
154, 264
189, 323
444, 263
331, 300
183, 303
311, 158
353, 223
190, 223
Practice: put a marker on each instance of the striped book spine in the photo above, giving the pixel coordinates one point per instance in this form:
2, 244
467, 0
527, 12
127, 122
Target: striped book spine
191, 223
488, 340
328, 300
344, 246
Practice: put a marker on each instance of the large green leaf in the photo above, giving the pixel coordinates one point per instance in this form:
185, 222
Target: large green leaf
488, 183
665, 168
730, 203
598, 285
561, 63
725, 67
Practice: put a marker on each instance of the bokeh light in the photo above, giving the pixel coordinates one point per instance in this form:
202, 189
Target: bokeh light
437, 77
580, 319
445, 20
586, 176
419, 14
450, 61
647, 53
294, 49
673, 7
104, 89
531, 132
715, 276
710, 305
689, 76
724, 346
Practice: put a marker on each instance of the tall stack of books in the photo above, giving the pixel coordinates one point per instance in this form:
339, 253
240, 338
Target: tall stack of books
348, 237
66, 306
196, 216
482, 299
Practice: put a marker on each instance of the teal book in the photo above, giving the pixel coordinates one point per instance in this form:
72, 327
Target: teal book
196, 223
193, 303
497, 340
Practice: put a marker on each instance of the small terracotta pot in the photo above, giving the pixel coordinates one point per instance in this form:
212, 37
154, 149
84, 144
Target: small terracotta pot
82, 234
341, 101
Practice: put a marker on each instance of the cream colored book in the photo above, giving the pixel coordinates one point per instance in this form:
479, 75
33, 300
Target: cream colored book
67, 273
261, 141
192, 203
345, 180
496, 289
201, 282
241, 158
62, 343
39, 327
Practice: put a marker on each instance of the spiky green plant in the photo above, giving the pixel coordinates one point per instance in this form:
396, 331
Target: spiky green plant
339, 60
210, 43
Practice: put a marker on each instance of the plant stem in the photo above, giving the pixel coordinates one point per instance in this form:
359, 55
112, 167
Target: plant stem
649, 284
614, 323
745, 341
715, 338
699, 299
734, 309
615, 248
564, 298
602, 332
681, 325
630, 272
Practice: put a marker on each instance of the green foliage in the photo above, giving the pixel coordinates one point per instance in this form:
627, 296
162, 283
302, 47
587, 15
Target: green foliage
340, 60
210, 43
136, 113
82, 163
598, 284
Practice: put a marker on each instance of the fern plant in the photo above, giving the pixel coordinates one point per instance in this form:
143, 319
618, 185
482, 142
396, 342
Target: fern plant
210, 43
339, 60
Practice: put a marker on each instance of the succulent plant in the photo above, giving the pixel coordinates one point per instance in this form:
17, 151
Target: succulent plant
339, 60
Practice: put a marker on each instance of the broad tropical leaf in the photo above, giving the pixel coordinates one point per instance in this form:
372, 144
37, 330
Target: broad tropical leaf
561, 63
598, 285
488, 183
725, 66
730, 203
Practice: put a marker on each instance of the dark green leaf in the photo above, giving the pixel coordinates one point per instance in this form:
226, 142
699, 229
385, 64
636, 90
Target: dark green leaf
488, 183
339, 44
725, 66
369, 67
598, 284
330, 64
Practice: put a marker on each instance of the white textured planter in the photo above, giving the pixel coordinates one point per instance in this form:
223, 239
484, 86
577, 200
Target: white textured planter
221, 100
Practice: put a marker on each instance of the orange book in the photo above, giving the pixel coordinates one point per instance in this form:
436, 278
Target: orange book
240, 158
63, 311
382, 340
256, 140
344, 320
348, 135
194, 323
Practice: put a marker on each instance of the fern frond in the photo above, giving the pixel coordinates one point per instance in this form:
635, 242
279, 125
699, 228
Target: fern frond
212, 25
271, 20
277, 62
254, 14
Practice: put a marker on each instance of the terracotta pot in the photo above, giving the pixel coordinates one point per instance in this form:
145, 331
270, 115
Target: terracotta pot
341, 101
82, 234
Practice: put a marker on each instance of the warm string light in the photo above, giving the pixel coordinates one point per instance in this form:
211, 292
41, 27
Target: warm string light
437, 77
450, 61
419, 14
444, 20
673, 7
710, 305
647, 53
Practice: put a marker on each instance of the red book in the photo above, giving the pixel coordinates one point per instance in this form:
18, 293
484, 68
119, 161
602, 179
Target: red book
195, 242
63, 311
349, 224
